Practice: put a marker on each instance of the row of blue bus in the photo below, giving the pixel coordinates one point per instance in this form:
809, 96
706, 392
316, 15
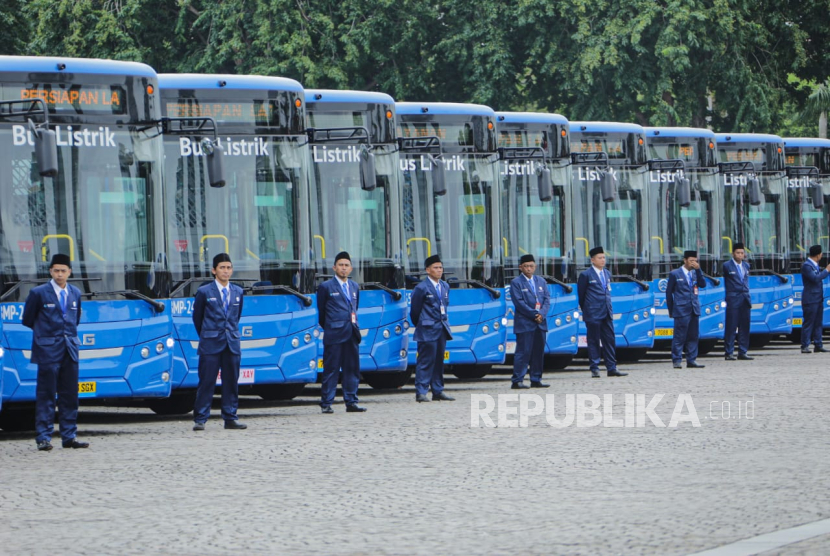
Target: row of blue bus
155, 174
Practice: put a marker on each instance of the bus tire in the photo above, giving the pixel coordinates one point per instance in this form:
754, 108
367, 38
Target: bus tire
471, 371
387, 380
17, 420
177, 404
558, 362
279, 392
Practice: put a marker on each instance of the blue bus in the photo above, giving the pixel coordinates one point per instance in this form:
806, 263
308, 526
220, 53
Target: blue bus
684, 197
103, 207
258, 218
451, 207
611, 209
754, 212
535, 172
356, 207
808, 187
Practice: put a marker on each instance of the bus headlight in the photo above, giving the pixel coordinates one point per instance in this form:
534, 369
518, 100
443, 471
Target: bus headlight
645, 314
398, 329
159, 347
568, 318
708, 311
576, 314
485, 329
504, 321
775, 306
386, 334
1, 352
307, 337
501, 348
650, 333
653, 311
403, 353
406, 325
792, 301
312, 364
573, 339
723, 304
636, 317
496, 325
170, 343
558, 322
295, 342
145, 352
717, 306
165, 376
316, 333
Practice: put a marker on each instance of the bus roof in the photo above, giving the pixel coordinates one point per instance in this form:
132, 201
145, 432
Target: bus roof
332, 95
531, 118
444, 108
606, 127
806, 142
231, 82
49, 64
679, 132
747, 138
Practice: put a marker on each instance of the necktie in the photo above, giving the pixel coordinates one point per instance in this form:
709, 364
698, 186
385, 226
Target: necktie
533, 289
225, 299
438, 289
602, 278
63, 301
345, 286
691, 281
740, 271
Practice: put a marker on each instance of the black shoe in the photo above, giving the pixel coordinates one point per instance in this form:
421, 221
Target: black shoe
44, 445
354, 408
820, 349
617, 373
442, 397
198, 426
539, 384
75, 443
595, 373
519, 386
806, 350
235, 425
328, 410
745, 357
694, 365
421, 398
677, 365
730, 358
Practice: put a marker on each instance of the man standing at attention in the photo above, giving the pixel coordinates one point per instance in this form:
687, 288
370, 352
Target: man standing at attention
684, 307
594, 290
738, 304
216, 313
812, 300
428, 312
531, 300
53, 311
337, 303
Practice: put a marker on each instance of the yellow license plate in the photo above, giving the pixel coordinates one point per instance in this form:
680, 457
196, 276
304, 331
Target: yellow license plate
446, 356
664, 332
86, 387
798, 321
319, 363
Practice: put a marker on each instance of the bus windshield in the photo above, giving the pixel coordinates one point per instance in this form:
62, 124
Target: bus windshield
462, 225
98, 210
255, 218
808, 224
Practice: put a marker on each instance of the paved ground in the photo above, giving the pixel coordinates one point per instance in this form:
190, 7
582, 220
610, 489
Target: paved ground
407, 478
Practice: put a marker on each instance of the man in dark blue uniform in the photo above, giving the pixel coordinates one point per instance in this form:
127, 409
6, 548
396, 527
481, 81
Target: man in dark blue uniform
812, 300
216, 313
53, 311
594, 290
684, 307
337, 303
428, 312
531, 300
738, 304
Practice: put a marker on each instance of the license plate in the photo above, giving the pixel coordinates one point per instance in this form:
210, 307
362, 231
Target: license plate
511, 347
246, 376
664, 332
319, 363
799, 322
582, 341
87, 387
446, 356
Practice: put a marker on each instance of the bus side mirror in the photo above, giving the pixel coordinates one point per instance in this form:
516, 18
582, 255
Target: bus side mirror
215, 158
46, 150
818, 195
368, 177
684, 192
439, 185
753, 188
544, 184
608, 187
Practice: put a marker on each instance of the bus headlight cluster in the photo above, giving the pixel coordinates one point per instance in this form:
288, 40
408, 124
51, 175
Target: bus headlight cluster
145, 352
159, 347
307, 337
295, 342
386, 334
485, 329
170, 343
398, 329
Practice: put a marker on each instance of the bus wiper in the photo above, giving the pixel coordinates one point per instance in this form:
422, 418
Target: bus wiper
552, 280
130, 294
767, 272
395, 294
493, 291
187, 282
304, 298
630, 278
714, 280
16, 285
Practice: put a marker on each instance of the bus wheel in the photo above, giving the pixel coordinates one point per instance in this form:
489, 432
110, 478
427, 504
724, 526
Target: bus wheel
176, 404
18, 420
558, 362
387, 380
630, 355
705, 346
471, 371
279, 392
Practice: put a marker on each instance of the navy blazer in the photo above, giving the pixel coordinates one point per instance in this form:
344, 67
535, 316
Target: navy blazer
737, 291
524, 302
335, 312
425, 312
594, 302
680, 297
55, 334
812, 277
216, 329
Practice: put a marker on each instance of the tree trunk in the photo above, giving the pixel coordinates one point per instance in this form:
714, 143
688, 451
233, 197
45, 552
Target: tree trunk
822, 125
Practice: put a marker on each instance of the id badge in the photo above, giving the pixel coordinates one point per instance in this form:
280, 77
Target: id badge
538, 306
442, 309
354, 318
695, 290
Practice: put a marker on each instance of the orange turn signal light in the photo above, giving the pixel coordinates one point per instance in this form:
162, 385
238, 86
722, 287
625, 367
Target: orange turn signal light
711, 145
298, 102
641, 140
564, 133
150, 89
388, 114
490, 125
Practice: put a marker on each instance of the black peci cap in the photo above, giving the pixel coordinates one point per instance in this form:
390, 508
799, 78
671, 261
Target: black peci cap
60, 258
815, 250
687, 254
431, 261
596, 251
221, 258
736, 246
527, 259
342, 255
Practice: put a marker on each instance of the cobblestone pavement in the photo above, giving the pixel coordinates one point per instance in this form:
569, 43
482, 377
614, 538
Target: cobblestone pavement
407, 478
